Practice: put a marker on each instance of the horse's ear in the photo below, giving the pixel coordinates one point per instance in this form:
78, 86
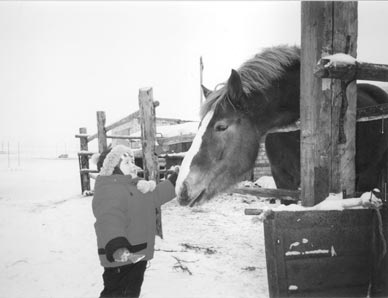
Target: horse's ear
235, 89
206, 92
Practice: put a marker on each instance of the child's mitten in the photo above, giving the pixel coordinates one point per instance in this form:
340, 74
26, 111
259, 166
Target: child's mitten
146, 186
123, 255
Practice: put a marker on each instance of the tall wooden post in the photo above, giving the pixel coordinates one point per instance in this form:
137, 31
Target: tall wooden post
101, 133
148, 135
327, 115
84, 160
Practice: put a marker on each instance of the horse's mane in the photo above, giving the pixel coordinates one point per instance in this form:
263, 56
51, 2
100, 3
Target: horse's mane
258, 73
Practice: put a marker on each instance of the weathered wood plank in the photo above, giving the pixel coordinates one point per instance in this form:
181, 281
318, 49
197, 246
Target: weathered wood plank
101, 133
335, 252
300, 219
327, 160
122, 121
123, 137
148, 135
329, 272
276, 267
342, 241
357, 71
84, 160
313, 18
268, 192
87, 171
343, 132
176, 139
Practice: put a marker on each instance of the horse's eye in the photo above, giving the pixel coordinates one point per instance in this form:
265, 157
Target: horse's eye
221, 127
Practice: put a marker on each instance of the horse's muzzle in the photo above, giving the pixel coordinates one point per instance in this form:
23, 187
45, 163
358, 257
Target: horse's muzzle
184, 198
183, 195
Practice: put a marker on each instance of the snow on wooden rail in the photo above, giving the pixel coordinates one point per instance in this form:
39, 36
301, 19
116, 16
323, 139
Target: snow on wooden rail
332, 202
347, 68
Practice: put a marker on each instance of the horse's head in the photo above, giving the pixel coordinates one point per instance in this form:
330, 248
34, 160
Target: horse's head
226, 145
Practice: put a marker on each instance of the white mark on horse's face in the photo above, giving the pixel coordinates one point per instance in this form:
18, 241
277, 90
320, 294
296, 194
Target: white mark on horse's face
194, 149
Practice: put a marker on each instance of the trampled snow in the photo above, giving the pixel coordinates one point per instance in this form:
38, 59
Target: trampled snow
49, 246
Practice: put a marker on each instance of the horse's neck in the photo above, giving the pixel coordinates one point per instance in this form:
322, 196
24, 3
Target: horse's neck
286, 94
282, 114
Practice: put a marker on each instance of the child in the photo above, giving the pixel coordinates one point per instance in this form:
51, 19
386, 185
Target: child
125, 211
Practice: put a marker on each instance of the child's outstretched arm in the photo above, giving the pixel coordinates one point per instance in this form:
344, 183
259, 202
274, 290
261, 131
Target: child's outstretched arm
165, 191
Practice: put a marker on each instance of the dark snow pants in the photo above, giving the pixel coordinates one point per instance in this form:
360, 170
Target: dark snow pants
124, 281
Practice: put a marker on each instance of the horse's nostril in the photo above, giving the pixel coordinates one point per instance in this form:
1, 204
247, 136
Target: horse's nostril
183, 195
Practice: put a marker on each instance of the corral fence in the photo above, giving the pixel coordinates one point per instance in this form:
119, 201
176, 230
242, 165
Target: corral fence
148, 138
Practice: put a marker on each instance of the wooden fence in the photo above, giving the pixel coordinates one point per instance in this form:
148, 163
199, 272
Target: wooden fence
146, 116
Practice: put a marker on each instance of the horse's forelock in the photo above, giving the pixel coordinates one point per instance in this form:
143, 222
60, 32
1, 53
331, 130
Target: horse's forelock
213, 99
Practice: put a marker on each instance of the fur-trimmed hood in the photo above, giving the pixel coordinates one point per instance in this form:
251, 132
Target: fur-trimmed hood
112, 159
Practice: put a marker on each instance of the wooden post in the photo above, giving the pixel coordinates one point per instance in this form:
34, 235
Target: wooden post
328, 118
148, 134
84, 160
101, 133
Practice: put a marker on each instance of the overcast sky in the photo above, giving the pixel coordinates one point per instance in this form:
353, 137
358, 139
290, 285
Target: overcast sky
61, 61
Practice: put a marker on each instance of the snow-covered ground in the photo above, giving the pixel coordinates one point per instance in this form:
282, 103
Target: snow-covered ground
48, 245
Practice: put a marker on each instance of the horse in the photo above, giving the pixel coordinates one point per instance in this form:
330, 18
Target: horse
260, 96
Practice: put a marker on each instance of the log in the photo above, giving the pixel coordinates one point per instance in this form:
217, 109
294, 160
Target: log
84, 160
81, 135
148, 132
87, 171
253, 211
123, 137
101, 133
126, 119
348, 72
327, 123
148, 135
176, 139
87, 153
269, 192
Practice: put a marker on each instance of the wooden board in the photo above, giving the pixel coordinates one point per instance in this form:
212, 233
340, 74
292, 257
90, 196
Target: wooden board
327, 117
323, 253
148, 136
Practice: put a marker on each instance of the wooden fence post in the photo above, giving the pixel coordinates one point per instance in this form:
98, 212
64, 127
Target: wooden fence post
84, 160
328, 117
101, 132
148, 134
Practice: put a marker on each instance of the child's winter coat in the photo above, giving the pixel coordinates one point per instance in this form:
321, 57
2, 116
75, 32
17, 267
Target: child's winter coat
125, 217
